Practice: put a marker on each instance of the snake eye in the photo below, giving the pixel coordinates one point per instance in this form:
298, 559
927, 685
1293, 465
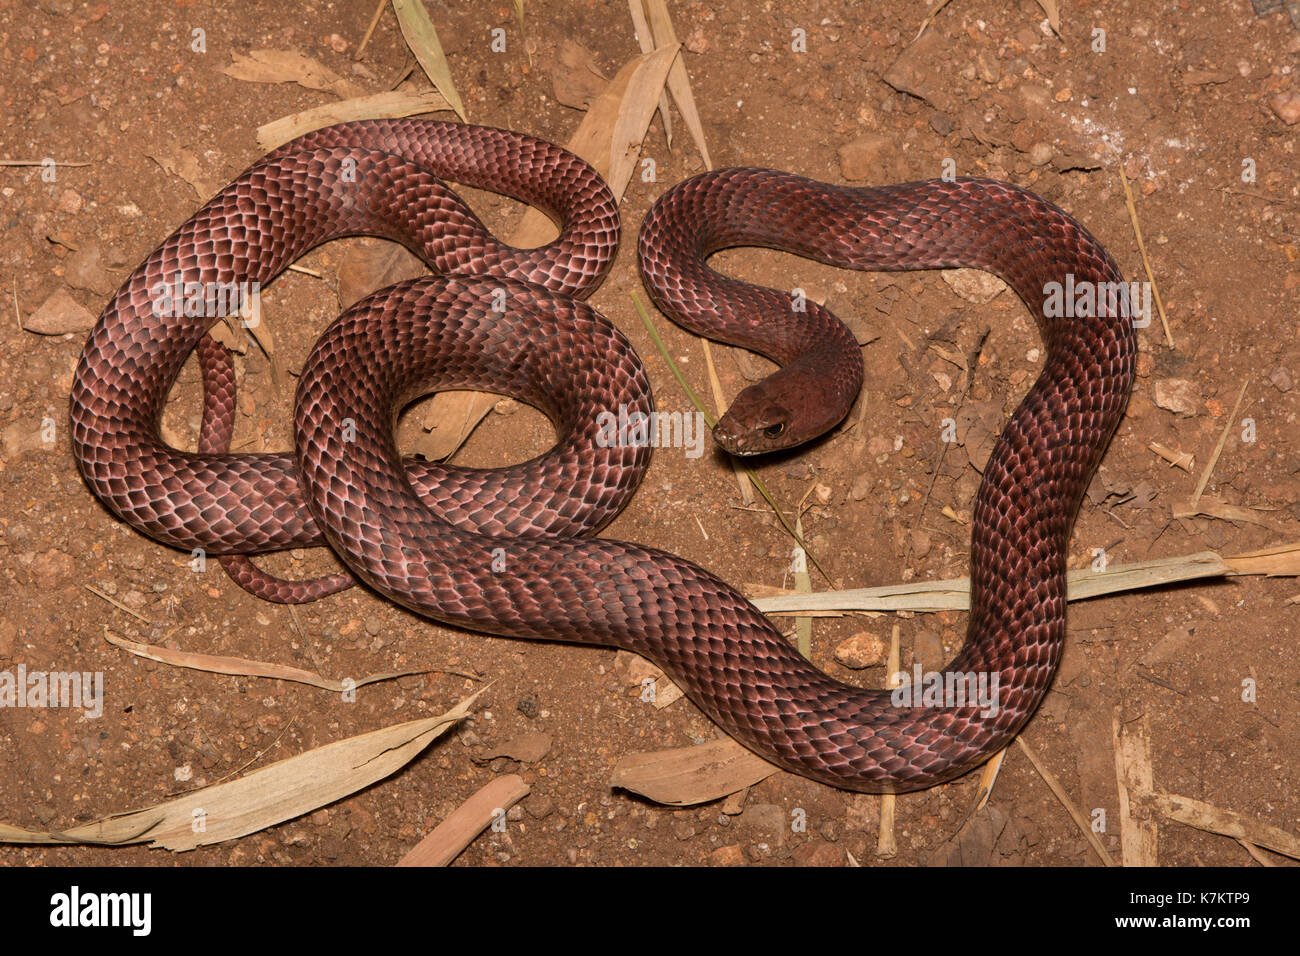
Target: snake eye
774, 431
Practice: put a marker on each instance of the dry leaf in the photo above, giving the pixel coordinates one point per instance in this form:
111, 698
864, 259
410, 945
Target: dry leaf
646, 39
690, 775
278, 132
1204, 816
289, 66
526, 748
186, 165
422, 38
679, 83
238, 666
263, 798
59, 313
575, 77
374, 264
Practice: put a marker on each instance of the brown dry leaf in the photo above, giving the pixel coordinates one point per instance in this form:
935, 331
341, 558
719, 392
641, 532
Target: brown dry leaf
374, 264
263, 798
85, 270
1053, 15
289, 66
59, 313
526, 748
422, 38
679, 83
655, 688
186, 165
575, 78
240, 667
690, 775
468, 820
609, 138
396, 103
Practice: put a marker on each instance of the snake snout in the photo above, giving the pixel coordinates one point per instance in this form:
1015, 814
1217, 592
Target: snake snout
754, 428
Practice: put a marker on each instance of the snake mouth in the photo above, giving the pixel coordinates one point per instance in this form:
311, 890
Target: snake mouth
747, 440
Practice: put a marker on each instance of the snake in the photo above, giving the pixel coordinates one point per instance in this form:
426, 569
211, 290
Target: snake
412, 539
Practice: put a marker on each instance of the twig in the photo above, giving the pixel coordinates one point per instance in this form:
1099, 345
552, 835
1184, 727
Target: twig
117, 604
1218, 449
374, 22
1142, 246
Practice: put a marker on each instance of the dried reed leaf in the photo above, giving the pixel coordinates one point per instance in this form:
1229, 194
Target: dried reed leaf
1204, 816
1139, 836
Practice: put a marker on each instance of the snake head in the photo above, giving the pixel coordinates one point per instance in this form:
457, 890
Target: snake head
792, 406
754, 427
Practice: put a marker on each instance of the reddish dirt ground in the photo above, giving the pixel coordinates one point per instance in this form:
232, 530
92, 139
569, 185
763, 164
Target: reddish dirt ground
1181, 90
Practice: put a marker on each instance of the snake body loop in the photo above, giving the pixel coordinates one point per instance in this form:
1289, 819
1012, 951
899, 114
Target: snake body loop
407, 529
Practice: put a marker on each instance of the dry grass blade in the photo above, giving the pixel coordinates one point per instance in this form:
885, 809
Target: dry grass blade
263, 798
691, 775
954, 594
1211, 507
679, 84
278, 132
241, 667
1053, 15
1142, 249
36, 162
929, 18
802, 584
374, 22
117, 604
422, 38
467, 821
646, 40
886, 839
